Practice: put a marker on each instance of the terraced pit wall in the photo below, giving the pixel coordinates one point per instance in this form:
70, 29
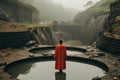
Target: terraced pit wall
109, 44
42, 36
14, 39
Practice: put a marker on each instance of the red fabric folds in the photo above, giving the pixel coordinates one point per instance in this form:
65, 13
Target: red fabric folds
60, 55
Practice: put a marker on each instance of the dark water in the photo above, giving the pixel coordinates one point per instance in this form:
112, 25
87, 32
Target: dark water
45, 71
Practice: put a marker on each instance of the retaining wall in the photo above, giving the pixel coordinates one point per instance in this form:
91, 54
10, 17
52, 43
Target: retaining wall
42, 36
109, 44
14, 39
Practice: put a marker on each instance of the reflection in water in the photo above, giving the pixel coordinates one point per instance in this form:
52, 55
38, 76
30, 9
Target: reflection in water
23, 68
60, 76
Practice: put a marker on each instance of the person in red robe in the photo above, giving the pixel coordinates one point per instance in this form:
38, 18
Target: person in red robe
60, 56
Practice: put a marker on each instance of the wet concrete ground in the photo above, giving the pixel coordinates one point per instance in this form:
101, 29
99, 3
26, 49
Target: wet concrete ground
112, 61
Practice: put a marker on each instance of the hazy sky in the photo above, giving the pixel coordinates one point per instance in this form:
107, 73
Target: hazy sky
77, 4
51, 10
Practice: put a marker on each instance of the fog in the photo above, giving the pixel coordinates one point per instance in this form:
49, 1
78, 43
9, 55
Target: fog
76, 4
60, 10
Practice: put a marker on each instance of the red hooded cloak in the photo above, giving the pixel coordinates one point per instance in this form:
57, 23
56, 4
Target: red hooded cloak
60, 55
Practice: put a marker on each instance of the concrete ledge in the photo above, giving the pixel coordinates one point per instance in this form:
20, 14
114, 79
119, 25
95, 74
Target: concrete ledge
52, 47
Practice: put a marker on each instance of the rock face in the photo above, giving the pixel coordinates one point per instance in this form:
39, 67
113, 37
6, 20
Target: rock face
15, 11
113, 23
92, 21
111, 42
89, 30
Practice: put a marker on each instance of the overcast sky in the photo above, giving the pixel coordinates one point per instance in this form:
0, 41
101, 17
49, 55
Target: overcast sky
62, 10
76, 4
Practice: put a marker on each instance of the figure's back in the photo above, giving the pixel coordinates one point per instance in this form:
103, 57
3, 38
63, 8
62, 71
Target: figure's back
60, 56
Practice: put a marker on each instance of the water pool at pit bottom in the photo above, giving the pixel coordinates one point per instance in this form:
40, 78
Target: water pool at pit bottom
45, 70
